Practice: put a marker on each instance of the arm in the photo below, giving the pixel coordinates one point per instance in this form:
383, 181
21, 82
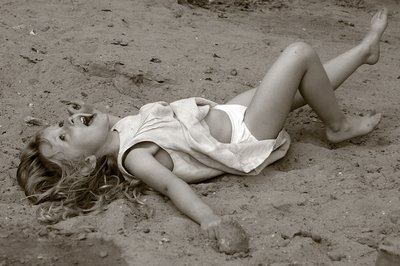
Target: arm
140, 162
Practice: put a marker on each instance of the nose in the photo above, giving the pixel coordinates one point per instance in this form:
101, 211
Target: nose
70, 121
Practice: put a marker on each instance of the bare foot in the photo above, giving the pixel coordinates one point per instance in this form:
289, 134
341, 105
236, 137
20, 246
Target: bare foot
371, 41
353, 127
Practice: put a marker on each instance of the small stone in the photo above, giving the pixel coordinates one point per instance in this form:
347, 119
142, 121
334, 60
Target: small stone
89, 229
389, 253
316, 237
231, 238
394, 216
178, 13
119, 42
33, 121
82, 236
43, 233
44, 28
4, 235
334, 197
282, 207
366, 230
285, 242
103, 254
146, 231
155, 60
336, 256
233, 72
368, 241
209, 70
164, 240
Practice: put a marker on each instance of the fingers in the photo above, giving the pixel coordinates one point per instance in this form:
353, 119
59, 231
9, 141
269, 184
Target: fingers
217, 233
75, 106
210, 225
212, 230
212, 233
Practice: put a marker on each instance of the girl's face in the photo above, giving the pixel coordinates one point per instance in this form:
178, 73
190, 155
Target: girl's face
77, 137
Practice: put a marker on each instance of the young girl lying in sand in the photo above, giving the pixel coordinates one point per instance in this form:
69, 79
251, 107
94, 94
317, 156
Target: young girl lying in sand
91, 157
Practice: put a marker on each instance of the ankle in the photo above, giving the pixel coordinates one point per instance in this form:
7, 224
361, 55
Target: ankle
365, 52
337, 126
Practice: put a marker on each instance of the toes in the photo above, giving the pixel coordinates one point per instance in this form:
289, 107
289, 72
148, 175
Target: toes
382, 13
375, 119
378, 14
378, 117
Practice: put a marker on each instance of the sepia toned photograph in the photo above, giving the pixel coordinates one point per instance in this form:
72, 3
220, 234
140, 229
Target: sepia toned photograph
200, 132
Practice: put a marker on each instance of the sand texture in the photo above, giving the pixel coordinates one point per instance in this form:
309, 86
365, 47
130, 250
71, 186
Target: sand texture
322, 204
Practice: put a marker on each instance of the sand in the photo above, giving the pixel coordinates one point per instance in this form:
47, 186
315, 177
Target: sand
322, 204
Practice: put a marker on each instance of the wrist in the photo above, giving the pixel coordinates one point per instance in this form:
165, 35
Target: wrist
210, 218
210, 222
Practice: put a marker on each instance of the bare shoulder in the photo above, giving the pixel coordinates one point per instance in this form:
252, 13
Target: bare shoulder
143, 153
146, 146
139, 157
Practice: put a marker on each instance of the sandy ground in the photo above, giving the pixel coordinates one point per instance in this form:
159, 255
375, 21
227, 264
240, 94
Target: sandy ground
119, 55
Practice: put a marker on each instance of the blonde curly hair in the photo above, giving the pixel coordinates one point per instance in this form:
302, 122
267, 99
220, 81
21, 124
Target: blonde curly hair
62, 191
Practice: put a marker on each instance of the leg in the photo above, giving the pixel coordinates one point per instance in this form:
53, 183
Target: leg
340, 68
367, 52
300, 67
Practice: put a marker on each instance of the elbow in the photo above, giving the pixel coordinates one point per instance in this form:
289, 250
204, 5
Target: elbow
164, 190
172, 188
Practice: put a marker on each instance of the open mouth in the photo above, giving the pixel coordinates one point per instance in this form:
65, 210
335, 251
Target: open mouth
87, 120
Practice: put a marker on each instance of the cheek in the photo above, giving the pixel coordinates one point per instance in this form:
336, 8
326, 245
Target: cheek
67, 155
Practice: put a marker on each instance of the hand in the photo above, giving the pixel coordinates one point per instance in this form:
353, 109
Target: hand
210, 225
79, 106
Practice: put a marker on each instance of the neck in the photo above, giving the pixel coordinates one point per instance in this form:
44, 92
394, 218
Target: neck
111, 145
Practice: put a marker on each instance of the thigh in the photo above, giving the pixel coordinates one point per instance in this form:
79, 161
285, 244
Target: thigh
219, 124
243, 98
272, 101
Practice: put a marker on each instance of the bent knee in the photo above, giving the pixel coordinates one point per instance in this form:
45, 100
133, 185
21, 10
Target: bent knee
301, 49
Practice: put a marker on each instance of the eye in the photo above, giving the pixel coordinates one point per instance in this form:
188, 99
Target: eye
62, 137
61, 124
